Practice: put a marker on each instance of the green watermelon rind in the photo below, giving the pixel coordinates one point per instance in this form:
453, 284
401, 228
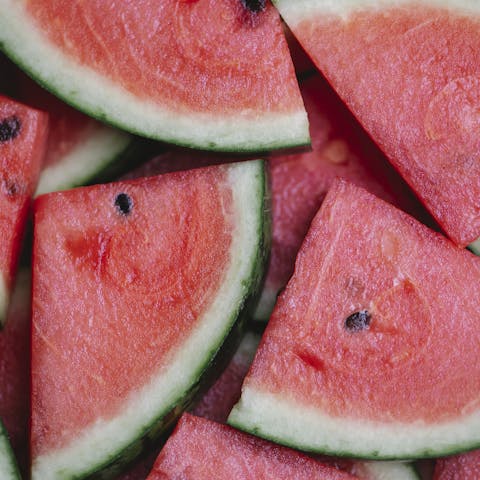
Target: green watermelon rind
390, 471
252, 197
280, 420
8, 464
95, 95
474, 247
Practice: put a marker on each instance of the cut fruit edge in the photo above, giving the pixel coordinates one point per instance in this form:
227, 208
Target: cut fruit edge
101, 98
8, 464
284, 421
390, 471
101, 444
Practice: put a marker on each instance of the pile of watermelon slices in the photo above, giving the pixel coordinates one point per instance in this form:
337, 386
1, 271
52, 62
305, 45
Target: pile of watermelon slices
239, 239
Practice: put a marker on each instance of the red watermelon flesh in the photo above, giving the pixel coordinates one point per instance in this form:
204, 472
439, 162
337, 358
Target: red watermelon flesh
300, 182
200, 449
460, 467
410, 72
362, 254
15, 368
94, 250
23, 135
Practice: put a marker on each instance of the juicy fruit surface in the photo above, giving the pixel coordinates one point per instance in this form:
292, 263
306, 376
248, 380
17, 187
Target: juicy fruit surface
23, 135
363, 259
460, 467
159, 264
301, 181
410, 72
200, 449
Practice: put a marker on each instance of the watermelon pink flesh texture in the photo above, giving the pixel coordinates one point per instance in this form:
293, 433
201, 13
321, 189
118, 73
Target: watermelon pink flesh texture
410, 71
200, 449
23, 136
300, 182
371, 349
211, 74
133, 303
460, 467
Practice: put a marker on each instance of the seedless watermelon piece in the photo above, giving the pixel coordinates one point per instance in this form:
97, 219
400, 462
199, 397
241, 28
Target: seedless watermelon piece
136, 286
211, 74
204, 450
23, 134
410, 71
371, 349
460, 467
8, 464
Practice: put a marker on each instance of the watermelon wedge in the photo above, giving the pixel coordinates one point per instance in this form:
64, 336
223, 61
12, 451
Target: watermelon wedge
410, 71
460, 467
8, 464
299, 182
200, 449
131, 305
15, 368
23, 135
210, 74
371, 349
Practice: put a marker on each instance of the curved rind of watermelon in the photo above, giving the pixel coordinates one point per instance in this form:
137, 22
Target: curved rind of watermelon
107, 444
387, 471
8, 464
102, 98
323, 388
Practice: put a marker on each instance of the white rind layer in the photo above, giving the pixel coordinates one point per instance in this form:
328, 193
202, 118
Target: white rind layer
277, 418
100, 442
99, 97
294, 11
8, 466
88, 158
389, 471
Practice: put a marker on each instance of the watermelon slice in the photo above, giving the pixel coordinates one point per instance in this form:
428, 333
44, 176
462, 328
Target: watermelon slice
460, 467
371, 350
211, 74
131, 305
410, 71
14, 368
300, 182
23, 134
200, 449
8, 464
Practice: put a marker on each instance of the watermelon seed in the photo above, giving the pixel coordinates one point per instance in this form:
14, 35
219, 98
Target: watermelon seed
358, 321
124, 203
255, 6
9, 128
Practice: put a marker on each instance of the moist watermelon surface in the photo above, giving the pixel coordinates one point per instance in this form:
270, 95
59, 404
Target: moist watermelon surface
209, 74
200, 449
134, 306
23, 136
409, 70
460, 467
299, 182
8, 465
355, 360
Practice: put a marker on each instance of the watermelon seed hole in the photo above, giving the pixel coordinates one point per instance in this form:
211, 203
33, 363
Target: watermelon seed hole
124, 203
9, 128
255, 6
358, 321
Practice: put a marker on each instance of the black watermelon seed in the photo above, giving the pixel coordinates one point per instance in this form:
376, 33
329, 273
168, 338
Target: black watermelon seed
9, 128
255, 6
124, 203
358, 321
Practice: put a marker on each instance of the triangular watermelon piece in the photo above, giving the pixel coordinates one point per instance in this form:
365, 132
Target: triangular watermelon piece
136, 286
460, 467
23, 136
211, 74
205, 450
8, 464
410, 71
372, 349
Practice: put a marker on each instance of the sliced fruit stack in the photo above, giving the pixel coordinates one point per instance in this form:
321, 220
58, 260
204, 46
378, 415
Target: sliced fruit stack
143, 289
